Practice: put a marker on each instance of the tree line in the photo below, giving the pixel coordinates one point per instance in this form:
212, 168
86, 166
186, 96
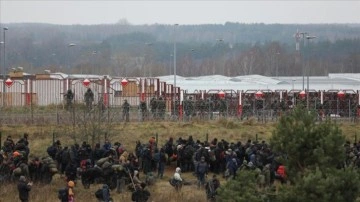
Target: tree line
231, 49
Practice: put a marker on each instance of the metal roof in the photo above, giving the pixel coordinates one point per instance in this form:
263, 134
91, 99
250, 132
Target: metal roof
332, 81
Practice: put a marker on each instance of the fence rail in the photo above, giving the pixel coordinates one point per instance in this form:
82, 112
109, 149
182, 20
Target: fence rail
151, 99
116, 115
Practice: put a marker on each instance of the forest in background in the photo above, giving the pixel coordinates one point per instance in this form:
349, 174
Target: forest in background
229, 49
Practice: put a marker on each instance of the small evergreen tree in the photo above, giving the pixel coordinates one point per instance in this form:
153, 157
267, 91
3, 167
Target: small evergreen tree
241, 189
306, 143
336, 185
312, 153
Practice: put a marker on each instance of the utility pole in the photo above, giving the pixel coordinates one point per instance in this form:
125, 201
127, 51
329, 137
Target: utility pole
4, 69
175, 25
308, 38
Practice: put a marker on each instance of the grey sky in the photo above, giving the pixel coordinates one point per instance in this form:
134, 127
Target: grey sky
182, 12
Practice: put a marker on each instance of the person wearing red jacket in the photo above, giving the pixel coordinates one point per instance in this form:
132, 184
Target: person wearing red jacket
281, 174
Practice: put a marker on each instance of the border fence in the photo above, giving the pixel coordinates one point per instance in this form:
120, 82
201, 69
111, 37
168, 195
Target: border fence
34, 98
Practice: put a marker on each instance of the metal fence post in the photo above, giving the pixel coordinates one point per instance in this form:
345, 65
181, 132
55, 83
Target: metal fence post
355, 138
156, 139
349, 110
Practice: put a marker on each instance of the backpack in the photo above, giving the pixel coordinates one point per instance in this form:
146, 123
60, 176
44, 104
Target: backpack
173, 182
63, 194
99, 194
157, 157
51, 151
135, 196
140, 195
201, 168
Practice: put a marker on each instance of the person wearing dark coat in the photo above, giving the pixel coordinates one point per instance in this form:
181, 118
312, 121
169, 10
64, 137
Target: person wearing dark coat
141, 194
211, 188
24, 188
70, 172
105, 193
126, 111
201, 171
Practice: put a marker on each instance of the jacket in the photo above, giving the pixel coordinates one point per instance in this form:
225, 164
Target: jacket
24, 190
177, 176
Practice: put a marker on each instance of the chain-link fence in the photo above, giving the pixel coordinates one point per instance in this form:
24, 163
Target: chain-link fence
262, 106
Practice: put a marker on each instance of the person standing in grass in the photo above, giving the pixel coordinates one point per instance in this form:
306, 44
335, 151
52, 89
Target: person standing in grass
177, 179
141, 194
201, 171
161, 162
89, 98
71, 195
24, 188
126, 111
211, 186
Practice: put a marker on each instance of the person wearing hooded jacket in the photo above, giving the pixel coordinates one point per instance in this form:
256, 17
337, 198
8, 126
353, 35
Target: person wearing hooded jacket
141, 194
177, 179
201, 171
24, 189
105, 194
232, 168
124, 158
136, 179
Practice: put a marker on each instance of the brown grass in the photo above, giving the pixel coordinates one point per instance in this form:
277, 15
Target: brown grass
161, 191
41, 137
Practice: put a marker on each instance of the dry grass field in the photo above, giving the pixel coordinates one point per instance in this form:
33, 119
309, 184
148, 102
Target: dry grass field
40, 137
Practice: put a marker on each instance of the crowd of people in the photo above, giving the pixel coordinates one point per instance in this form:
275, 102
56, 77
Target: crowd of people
270, 106
119, 169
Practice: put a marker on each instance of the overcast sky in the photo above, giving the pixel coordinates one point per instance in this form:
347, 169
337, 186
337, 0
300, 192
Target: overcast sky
182, 12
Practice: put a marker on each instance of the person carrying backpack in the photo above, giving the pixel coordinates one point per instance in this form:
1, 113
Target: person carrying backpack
211, 186
141, 194
67, 194
176, 181
103, 194
63, 194
52, 150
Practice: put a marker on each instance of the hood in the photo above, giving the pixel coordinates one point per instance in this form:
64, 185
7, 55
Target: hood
125, 154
